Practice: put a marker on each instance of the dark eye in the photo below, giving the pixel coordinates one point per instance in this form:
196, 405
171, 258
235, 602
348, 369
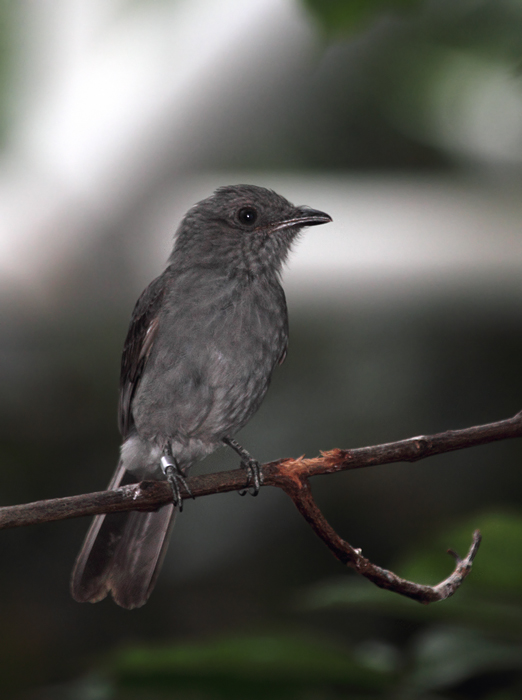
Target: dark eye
247, 216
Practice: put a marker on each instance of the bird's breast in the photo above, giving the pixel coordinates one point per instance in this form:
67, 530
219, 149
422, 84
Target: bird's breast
212, 362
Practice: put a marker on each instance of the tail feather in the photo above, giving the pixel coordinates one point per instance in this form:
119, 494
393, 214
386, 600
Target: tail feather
122, 554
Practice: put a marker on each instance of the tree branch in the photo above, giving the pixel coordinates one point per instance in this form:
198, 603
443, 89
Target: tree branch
292, 476
348, 555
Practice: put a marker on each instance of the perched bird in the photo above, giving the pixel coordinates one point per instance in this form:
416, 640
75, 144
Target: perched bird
204, 339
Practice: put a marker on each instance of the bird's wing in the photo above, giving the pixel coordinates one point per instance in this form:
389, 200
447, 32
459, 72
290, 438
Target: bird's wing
283, 307
138, 345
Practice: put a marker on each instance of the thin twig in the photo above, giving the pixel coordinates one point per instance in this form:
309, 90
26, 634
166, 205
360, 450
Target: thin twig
348, 555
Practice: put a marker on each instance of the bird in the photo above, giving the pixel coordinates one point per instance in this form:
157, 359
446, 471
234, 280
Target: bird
203, 341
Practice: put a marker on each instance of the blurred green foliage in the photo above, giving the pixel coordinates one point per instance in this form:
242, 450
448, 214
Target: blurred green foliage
469, 646
338, 17
474, 634
411, 89
275, 665
267, 665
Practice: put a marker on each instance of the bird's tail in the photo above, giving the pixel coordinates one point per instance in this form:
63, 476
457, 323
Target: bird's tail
122, 553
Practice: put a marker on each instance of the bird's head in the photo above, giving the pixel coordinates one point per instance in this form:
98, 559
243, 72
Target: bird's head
242, 227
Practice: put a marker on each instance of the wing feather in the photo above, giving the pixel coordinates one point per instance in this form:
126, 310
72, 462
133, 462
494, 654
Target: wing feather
138, 344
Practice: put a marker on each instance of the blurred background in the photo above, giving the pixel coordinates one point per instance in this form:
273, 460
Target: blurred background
403, 120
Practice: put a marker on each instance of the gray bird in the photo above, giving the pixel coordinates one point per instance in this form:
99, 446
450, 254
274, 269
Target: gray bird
204, 339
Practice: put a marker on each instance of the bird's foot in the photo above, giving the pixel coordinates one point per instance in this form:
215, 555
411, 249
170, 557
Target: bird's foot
176, 478
251, 465
253, 470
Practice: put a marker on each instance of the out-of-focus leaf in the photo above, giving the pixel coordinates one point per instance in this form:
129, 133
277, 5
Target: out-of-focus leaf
345, 16
255, 666
463, 607
446, 657
490, 598
93, 686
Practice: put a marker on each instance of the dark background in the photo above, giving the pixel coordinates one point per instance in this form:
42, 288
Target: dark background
368, 363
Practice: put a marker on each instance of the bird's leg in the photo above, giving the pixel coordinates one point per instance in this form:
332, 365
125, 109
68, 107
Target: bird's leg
251, 465
175, 476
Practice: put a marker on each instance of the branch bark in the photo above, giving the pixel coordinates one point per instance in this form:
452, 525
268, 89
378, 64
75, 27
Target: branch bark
291, 475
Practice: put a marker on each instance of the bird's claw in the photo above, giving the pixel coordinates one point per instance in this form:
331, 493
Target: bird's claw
252, 466
255, 478
175, 478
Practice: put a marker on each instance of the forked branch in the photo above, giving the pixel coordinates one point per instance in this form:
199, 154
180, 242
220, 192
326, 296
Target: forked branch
292, 476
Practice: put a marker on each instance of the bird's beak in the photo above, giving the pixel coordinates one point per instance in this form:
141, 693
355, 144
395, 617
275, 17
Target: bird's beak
304, 217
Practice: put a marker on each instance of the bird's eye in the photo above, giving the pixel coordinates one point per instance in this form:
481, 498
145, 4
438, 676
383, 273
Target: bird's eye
247, 216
